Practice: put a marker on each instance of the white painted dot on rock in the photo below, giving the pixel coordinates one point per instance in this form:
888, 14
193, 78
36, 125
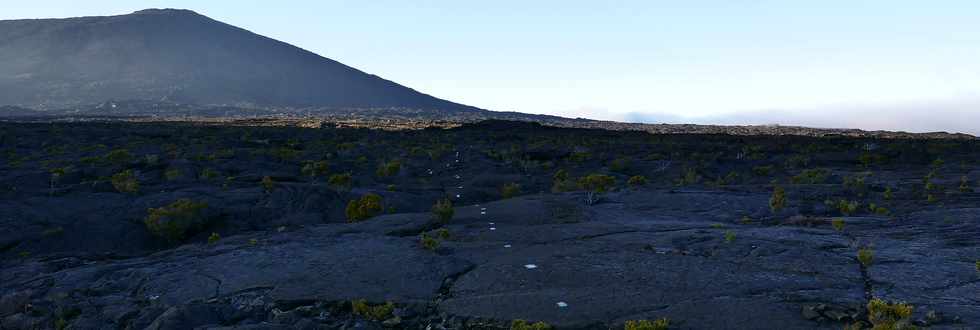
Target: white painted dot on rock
491, 223
562, 304
530, 266
457, 195
507, 245
483, 212
493, 228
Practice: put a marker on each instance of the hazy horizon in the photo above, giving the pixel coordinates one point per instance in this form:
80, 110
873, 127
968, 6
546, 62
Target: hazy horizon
894, 65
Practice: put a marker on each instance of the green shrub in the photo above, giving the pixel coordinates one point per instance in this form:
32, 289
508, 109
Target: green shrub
621, 164
838, 224
888, 195
762, 171
798, 161
118, 157
174, 221
660, 324
390, 168
214, 238
364, 208
443, 233
208, 174
729, 236
342, 181
580, 157
811, 176
284, 154
268, 184
560, 175
172, 174
125, 182
428, 242
594, 185
443, 211
867, 159
314, 169
848, 207
510, 190
151, 159
525, 325
745, 220
865, 256
689, 177
376, 313
637, 180
889, 316
778, 200
978, 266
965, 185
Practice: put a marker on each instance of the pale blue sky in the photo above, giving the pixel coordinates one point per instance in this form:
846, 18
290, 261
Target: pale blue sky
909, 65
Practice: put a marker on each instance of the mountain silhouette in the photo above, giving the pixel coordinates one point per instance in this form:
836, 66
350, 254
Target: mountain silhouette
180, 56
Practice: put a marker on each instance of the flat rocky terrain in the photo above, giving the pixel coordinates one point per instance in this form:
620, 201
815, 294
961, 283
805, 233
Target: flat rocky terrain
188, 226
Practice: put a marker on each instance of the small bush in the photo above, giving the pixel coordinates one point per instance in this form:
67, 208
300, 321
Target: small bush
689, 177
660, 324
729, 236
208, 174
888, 195
172, 174
965, 185
762, 171
390, 168
443, 211
560, 175
811, 176
848, 207
376, 313
172, 222
510, 190
443, 233
594, 185
214, 238
268, 184
865, 256
125, 182
428, 242
637, 180
151, 159
889, 316
364, 208
341, 181
525, 325
314, 169
778, 200
118, 157
838, 224
621, 164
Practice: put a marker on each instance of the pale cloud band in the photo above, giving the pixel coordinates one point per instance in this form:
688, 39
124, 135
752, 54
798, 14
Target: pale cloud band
954, 116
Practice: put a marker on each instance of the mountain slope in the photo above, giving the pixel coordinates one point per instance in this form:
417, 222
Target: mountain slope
178, 56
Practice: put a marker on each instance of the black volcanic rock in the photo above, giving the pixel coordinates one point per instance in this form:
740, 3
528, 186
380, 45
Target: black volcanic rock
178, 56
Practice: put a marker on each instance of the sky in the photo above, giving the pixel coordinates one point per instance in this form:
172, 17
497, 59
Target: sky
896, 65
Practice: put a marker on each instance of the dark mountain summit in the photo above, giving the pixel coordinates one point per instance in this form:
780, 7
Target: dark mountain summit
179, 56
